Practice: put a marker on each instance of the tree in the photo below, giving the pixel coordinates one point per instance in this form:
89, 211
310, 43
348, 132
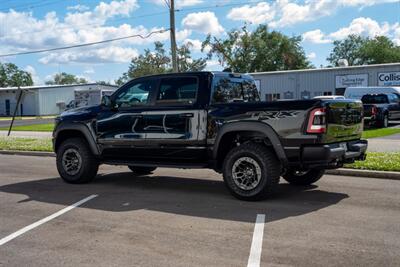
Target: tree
380, 50
258, 50
103, 83
11, 75
185, 61
66, 78
349, 49
359, 50
157, 62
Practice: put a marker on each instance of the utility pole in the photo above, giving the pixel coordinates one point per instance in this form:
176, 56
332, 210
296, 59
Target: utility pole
172, 33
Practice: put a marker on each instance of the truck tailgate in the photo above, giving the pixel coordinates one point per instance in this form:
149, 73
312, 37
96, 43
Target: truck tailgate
344, 120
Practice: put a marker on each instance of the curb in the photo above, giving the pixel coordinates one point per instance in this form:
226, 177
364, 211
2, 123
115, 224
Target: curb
341, 171
28, 153
365, 173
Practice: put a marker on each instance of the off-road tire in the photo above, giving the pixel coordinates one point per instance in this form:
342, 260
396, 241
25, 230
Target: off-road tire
308, 178
138, 170
89, 165
269, 165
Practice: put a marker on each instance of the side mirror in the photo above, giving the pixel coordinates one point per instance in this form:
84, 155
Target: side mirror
106, 101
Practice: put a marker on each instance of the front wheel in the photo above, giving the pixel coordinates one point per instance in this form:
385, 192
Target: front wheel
75, 162
306, 177
251, 171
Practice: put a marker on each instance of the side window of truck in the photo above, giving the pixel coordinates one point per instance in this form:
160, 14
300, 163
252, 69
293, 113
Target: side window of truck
179, 90
226, 90
135, 94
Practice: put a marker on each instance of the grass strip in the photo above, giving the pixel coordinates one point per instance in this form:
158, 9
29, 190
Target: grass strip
372, 133
47, 127
25, 144
378, 161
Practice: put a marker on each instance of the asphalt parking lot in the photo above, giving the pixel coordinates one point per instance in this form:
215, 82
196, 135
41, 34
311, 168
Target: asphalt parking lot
187, 218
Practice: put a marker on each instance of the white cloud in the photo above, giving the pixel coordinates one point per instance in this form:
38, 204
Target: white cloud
25, 32
365, 27
316, 37
110, 54
312, 55
204, 22
78, 7
88, 70
179, 3
260, 13
396, 34
213, 65
36, 79
282, 13
102, 12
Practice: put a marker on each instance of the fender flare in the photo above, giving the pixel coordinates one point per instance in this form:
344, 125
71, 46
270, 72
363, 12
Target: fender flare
83, 129
251, 126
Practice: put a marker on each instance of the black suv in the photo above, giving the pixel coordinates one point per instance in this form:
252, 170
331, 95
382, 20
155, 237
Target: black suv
210, 120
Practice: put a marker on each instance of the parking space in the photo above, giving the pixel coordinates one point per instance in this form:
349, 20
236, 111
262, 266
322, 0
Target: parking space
187, 218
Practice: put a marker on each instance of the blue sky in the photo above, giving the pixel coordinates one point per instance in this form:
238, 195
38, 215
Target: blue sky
32, 25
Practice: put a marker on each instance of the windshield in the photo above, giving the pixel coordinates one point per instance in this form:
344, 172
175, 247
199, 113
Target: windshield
375, 99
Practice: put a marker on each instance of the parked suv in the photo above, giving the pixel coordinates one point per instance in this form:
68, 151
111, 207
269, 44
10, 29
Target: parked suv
210, 120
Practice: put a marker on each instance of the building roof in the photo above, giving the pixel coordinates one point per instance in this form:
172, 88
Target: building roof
37, 87
328, 69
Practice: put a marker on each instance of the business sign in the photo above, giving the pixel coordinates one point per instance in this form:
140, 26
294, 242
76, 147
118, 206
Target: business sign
351, 80
389, 78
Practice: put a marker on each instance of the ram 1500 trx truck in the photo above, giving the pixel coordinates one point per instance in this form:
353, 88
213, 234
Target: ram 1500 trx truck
210, 120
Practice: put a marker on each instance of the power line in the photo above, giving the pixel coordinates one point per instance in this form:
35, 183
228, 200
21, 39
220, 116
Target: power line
219, 6
32, 5
85, 44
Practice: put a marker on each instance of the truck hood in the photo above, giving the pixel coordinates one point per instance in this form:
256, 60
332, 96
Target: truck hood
80, 114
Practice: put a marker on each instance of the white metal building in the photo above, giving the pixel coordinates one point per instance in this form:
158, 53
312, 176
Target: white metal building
305, 84
42, 100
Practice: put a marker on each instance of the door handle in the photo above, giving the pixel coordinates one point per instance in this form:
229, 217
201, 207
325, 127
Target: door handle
186, 115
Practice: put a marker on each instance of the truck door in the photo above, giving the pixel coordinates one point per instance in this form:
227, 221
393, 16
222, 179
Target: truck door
175, 128
121, 129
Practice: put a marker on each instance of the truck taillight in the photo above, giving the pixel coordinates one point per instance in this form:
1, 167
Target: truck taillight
374, 110
317, 121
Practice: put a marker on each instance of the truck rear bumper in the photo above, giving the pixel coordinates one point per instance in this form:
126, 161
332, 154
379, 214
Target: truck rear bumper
333, 155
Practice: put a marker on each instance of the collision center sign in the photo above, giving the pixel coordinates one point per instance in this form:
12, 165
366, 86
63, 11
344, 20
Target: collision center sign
351, 80
389, 78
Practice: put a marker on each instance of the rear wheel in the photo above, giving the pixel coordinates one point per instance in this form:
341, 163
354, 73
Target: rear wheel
138, 170
384, 123
307, 177
75, 162
251, 171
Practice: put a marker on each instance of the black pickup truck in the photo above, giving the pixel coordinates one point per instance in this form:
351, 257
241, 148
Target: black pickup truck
380, 108
210, 120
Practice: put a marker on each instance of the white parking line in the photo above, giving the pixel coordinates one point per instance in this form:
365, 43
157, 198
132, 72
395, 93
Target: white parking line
256, 244
44, 220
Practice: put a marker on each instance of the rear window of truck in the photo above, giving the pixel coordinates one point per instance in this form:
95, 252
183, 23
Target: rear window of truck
229, 90
375, 99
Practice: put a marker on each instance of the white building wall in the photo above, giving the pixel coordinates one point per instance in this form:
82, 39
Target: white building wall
48, 98
29, 104
316, 81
